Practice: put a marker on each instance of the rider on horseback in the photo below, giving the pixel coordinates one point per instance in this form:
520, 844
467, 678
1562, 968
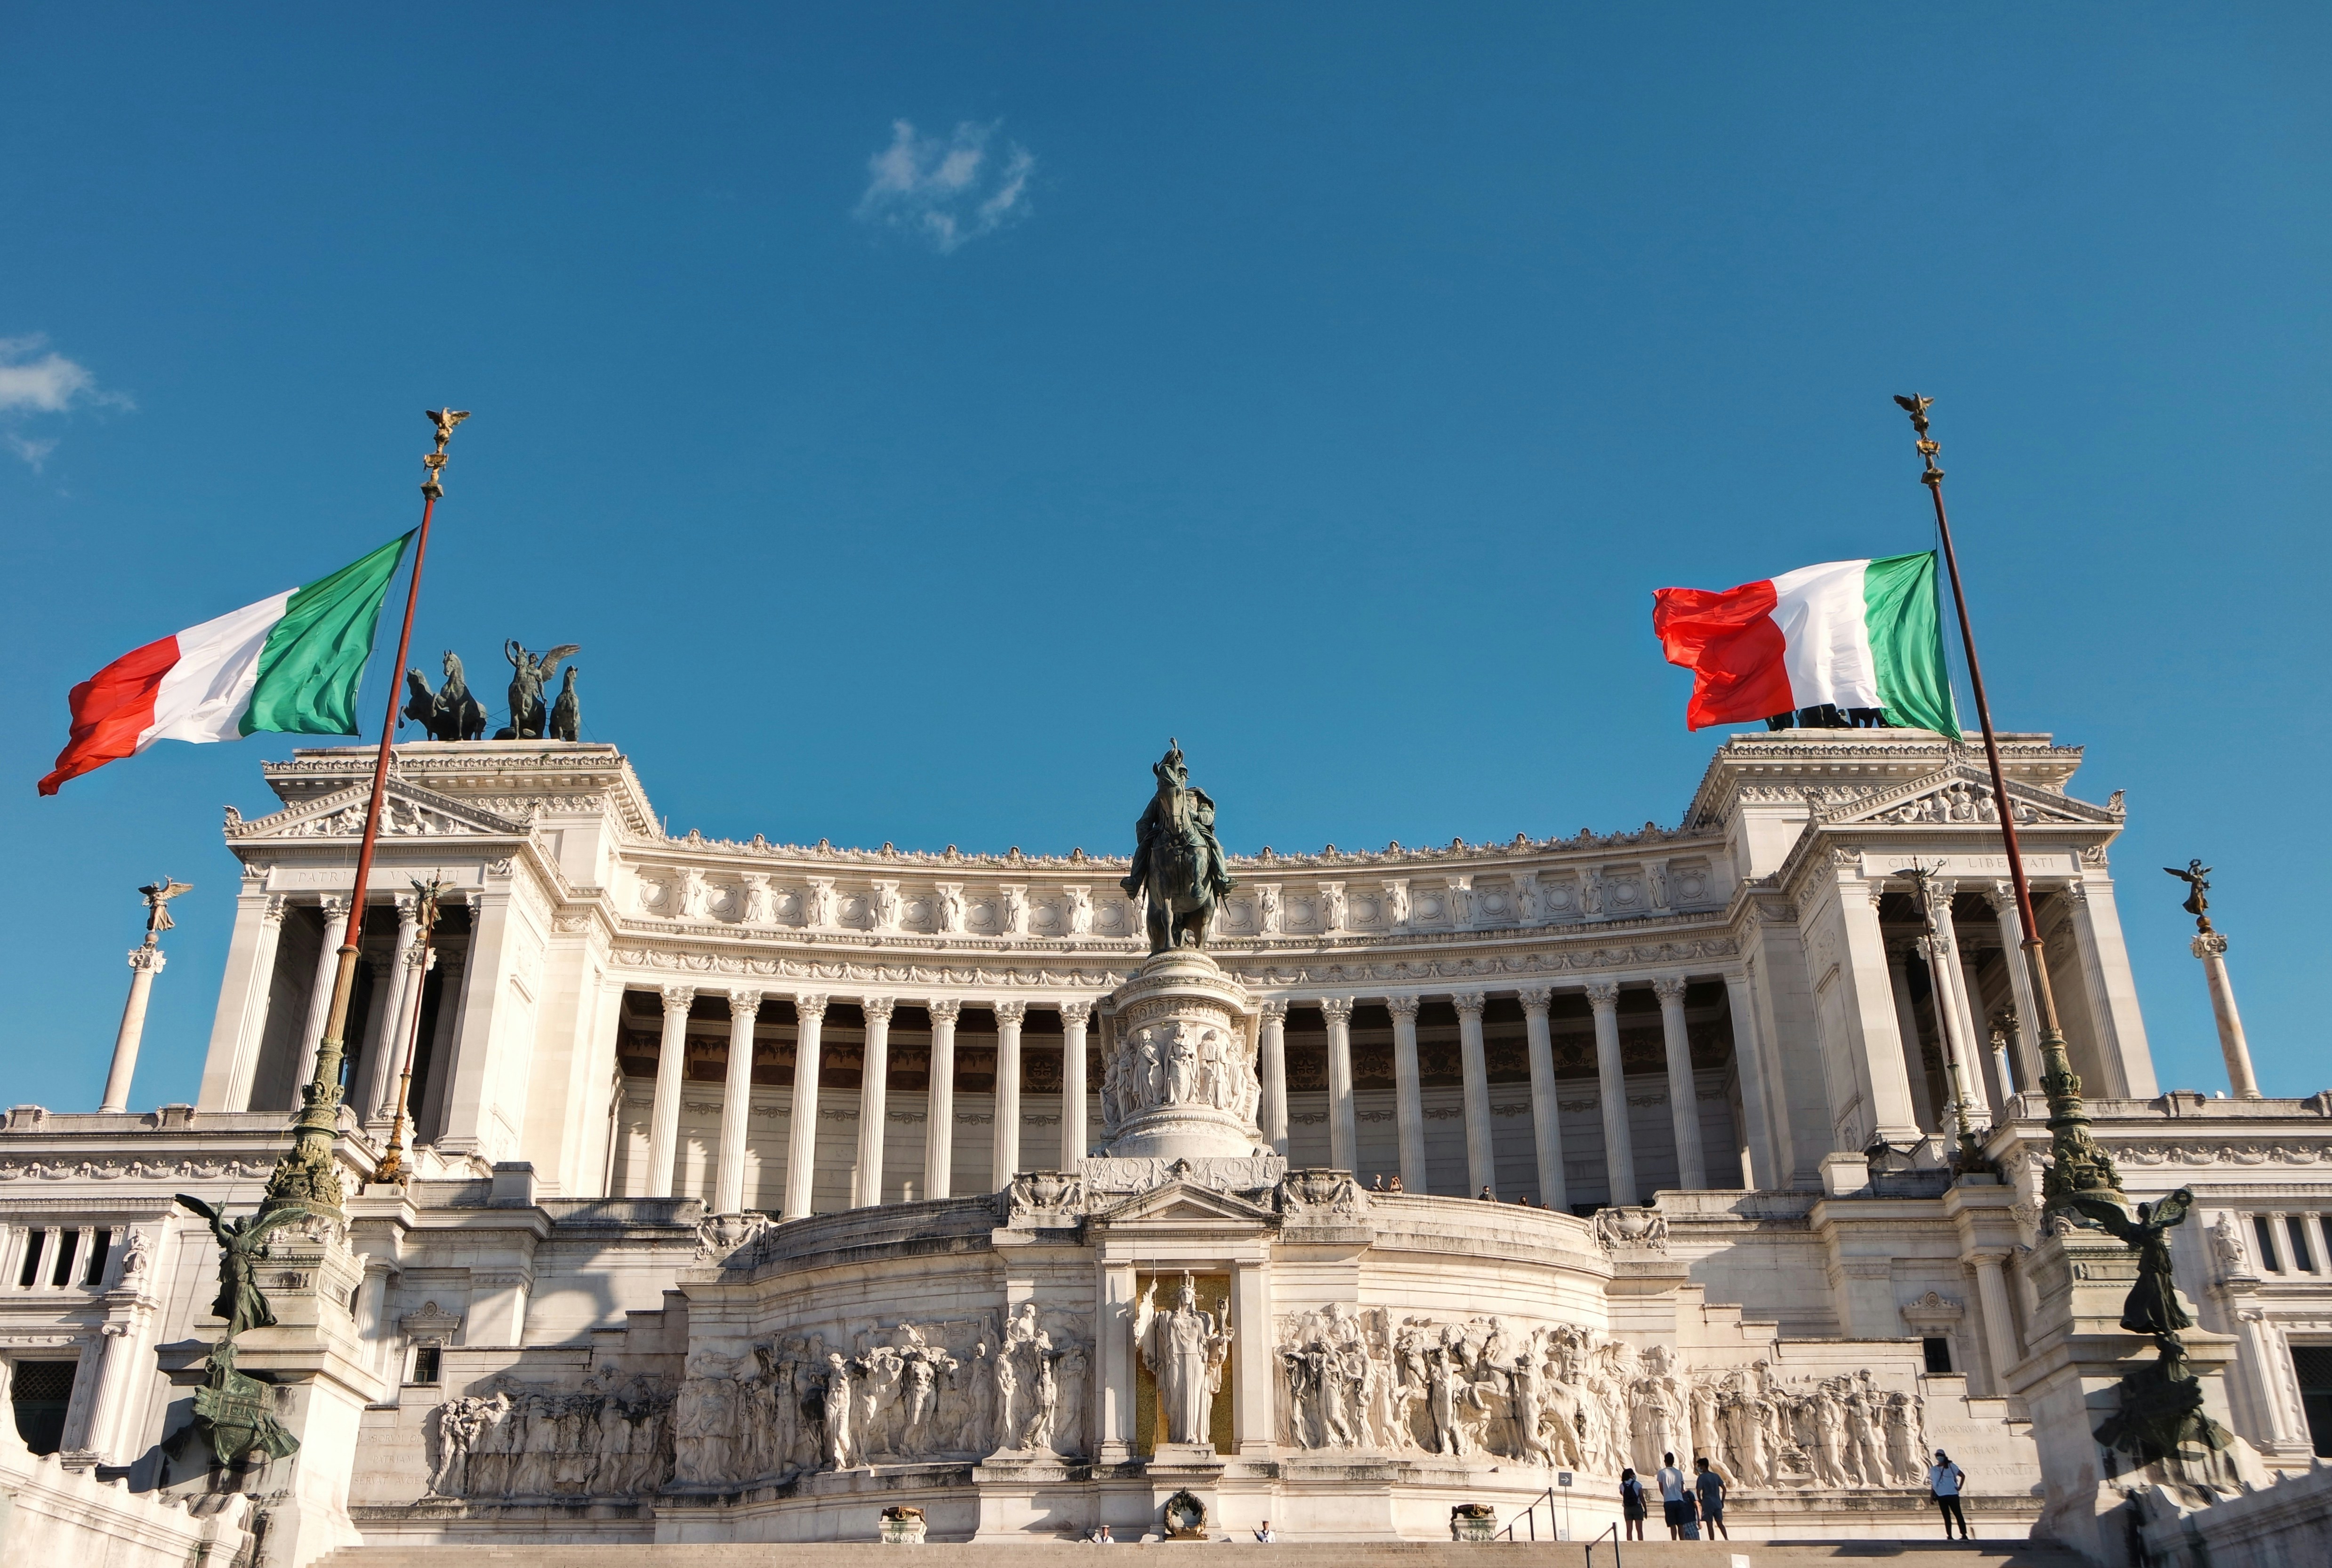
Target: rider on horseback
1175, 846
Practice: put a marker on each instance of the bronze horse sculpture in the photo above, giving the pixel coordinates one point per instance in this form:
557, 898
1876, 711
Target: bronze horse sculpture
450, 712
1176, 860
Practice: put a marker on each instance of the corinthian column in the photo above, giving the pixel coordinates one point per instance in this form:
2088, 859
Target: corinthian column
1271, 1044
2211, 947
664, 1118
1342, 1130
1684, 1096
1481, 1158
386, 1045
1618, 1143
867, 1188
1409, 1096
319, 989
1074, 1016
801, 1128
1005, 1163
1553, 1192
736, 1104
144, 962
938, 1105
2002, 896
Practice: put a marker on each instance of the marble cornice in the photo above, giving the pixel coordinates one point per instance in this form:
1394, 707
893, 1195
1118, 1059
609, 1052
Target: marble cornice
1795, 764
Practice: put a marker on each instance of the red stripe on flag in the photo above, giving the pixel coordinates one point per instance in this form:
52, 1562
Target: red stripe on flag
1732, 645
113, 708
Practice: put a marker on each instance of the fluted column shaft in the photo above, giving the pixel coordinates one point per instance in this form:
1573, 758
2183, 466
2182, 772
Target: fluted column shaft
1611, 1077
1408, 1095
1481, 1156
2001, 895
2211, 947
144, 962
386, 1046
801, 1127
320, 992
1075, 1017
939, 1119
1271, 1044
1683, 1093
663, 1116
1999, 1322
1005, 1163
736, 1104
1545, 1110
866, 1185
1342, 1129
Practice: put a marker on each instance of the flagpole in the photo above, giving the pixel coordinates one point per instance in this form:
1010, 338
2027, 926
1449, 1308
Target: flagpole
306, 1177
2081, 1166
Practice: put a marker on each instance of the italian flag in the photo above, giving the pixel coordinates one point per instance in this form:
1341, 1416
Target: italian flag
1862, 634
291, 663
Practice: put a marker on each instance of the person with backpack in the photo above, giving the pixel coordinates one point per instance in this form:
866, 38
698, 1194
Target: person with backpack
1631, 1504
1711, 1488
1945, 1481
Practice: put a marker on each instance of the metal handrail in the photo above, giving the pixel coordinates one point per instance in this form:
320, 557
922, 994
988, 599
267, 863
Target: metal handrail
1613, 1531
1530, 1516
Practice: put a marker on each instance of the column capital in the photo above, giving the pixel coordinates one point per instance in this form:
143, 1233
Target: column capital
1011, 1012
419, 958
878, 1008
2075, 892
271, 912
2206, 944
809, 1009
1997, 891
1986, 1257
676, 998
1404, 1007
1079, 1013
150, 959
1602, 996
408, 909
1536, 997
1275, 1010
1669, 988
944, 1010
1336, 1009
335, 906
1470, 1003
744, 1005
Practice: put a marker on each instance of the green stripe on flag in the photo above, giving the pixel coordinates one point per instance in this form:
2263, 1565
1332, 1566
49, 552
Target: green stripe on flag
1907, 642
315, 659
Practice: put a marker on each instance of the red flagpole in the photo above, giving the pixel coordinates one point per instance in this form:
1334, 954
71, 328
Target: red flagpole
306, 1178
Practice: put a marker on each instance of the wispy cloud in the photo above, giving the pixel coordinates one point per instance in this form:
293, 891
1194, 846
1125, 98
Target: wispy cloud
948, 192
32, 383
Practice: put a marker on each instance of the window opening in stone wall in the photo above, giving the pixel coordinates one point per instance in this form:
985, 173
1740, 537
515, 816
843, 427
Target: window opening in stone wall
67, 1241
2313, 1363
2303, 1257
2266, 1234
40, 1392
30, 1271
1939, 1354
99, 1246
424, 1365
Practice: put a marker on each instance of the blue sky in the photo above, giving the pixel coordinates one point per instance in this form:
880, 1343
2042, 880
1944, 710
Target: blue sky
917, 414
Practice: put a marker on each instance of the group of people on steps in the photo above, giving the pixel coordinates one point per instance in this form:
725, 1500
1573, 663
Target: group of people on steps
1690, 1502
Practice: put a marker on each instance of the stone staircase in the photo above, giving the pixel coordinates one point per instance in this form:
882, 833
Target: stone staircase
1373, 1555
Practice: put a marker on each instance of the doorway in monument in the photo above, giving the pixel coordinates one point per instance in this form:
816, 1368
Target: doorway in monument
1214, 1295
2313, 1363
40, 1391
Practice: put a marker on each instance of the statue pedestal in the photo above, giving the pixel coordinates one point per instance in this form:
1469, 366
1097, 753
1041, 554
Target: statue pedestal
1178, 1073
2071, 1382
312, 1356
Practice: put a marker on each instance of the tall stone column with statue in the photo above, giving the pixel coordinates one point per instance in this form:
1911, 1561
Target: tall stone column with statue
2211, 946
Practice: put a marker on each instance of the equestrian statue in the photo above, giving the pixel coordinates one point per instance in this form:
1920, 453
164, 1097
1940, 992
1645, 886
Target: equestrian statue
1176, 860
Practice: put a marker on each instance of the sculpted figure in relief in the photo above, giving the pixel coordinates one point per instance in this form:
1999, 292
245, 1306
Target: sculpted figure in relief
1184, 1348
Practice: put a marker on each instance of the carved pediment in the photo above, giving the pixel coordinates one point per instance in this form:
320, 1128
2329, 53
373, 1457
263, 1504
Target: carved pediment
1187, 1203
1960, 794
409, 812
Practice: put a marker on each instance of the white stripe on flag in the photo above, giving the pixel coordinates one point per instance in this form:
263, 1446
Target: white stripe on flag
1821, 613
206, 693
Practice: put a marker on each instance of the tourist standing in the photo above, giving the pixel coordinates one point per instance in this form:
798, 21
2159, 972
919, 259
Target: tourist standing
1945, 1481
1631, 1504
1673, 1503
1711, 1488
